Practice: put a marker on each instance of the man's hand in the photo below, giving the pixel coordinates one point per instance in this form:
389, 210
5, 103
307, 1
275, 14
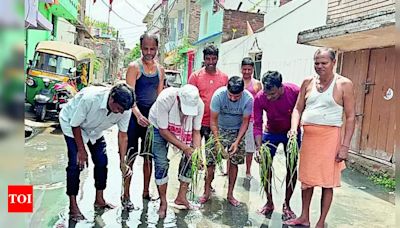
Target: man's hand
257, 156
82, 159
143, 121
342, 153
126, 170
233, 148
292, 133
188, 152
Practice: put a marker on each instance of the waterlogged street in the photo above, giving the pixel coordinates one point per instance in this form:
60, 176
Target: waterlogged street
358, 203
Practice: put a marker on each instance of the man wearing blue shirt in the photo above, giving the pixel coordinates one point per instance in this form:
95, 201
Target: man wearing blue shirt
231, 108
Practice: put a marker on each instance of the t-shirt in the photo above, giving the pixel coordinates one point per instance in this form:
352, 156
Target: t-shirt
279, 112
207, 85
165, 114
230, 114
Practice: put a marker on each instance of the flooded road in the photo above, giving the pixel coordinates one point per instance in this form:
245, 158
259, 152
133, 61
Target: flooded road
356, 204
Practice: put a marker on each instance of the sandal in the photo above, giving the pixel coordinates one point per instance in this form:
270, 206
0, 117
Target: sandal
107, 206
203, 199
295, 222
266, 209
76, 217
234, 202
128, 205
287, 213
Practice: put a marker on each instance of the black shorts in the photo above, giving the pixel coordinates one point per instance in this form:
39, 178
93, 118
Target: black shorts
135, 131
205, 132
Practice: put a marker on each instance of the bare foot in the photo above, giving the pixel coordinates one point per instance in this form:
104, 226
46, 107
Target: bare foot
320, 225
233, 201
297, 222
204, 198
267, 209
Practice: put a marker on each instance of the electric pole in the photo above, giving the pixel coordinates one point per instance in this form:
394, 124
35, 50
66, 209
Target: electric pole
163, 30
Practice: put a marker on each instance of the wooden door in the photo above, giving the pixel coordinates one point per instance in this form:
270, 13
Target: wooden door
373, 74
378, 126
354, 65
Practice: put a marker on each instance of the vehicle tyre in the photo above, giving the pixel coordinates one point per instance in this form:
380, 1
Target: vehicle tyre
40, 110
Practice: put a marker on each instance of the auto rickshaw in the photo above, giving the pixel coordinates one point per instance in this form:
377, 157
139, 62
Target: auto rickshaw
56, 73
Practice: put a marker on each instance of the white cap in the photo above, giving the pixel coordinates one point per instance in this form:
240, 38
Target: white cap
189, 98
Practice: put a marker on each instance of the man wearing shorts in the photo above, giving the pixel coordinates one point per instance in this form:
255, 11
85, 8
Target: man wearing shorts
278, 100
231, 108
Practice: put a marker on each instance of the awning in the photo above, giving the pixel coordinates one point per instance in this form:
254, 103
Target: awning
43, 23
205, 39
373, 31
34, 19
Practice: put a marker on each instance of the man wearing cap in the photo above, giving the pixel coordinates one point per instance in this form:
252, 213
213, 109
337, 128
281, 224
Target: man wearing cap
176, 117
83, 120
231, 108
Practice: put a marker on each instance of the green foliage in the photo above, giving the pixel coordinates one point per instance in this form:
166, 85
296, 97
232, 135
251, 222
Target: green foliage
97, 64
384, 180
181, 50
134, 54
101, 25
293, 153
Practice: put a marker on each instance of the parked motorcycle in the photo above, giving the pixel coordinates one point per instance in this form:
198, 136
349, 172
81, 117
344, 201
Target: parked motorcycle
52, 97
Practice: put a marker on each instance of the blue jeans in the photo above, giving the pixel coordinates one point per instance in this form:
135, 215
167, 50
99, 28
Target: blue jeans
99, 158
161, 161
276, 138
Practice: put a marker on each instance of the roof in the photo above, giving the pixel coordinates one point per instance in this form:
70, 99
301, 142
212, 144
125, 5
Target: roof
66, 49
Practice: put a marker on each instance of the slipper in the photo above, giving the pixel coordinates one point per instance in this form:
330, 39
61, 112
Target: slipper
203, 199
77, 217
249, 177
234, 202
128, 205
287, 213
266, 210
295, 222
106, 206
182, 206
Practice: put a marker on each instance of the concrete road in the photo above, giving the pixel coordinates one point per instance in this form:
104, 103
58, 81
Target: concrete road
358, 203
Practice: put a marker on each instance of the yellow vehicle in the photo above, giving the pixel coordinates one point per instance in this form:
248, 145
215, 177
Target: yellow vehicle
57, 67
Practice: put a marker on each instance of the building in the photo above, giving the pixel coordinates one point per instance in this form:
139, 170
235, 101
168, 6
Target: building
43, 21
219, 24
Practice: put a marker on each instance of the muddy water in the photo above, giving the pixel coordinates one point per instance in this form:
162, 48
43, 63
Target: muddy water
46, 160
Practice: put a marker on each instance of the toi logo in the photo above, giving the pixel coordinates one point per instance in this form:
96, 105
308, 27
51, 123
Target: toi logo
20, 198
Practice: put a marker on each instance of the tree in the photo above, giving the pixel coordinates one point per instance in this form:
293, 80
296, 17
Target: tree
134, 54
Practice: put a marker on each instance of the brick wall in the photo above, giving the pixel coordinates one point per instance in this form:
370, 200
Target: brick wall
340, 10
237, 20
194, 21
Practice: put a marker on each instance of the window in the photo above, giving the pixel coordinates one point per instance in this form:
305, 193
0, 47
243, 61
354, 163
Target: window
53, 63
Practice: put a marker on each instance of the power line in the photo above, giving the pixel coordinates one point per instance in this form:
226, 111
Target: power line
137, 11
118, 14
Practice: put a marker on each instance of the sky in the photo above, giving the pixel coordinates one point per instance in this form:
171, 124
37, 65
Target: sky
131, 14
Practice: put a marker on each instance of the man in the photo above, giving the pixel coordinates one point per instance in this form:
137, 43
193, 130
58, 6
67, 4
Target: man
320, 105
231, 108
83, 121
253, 86
208, 79
146, 76
277, 100
176, 117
